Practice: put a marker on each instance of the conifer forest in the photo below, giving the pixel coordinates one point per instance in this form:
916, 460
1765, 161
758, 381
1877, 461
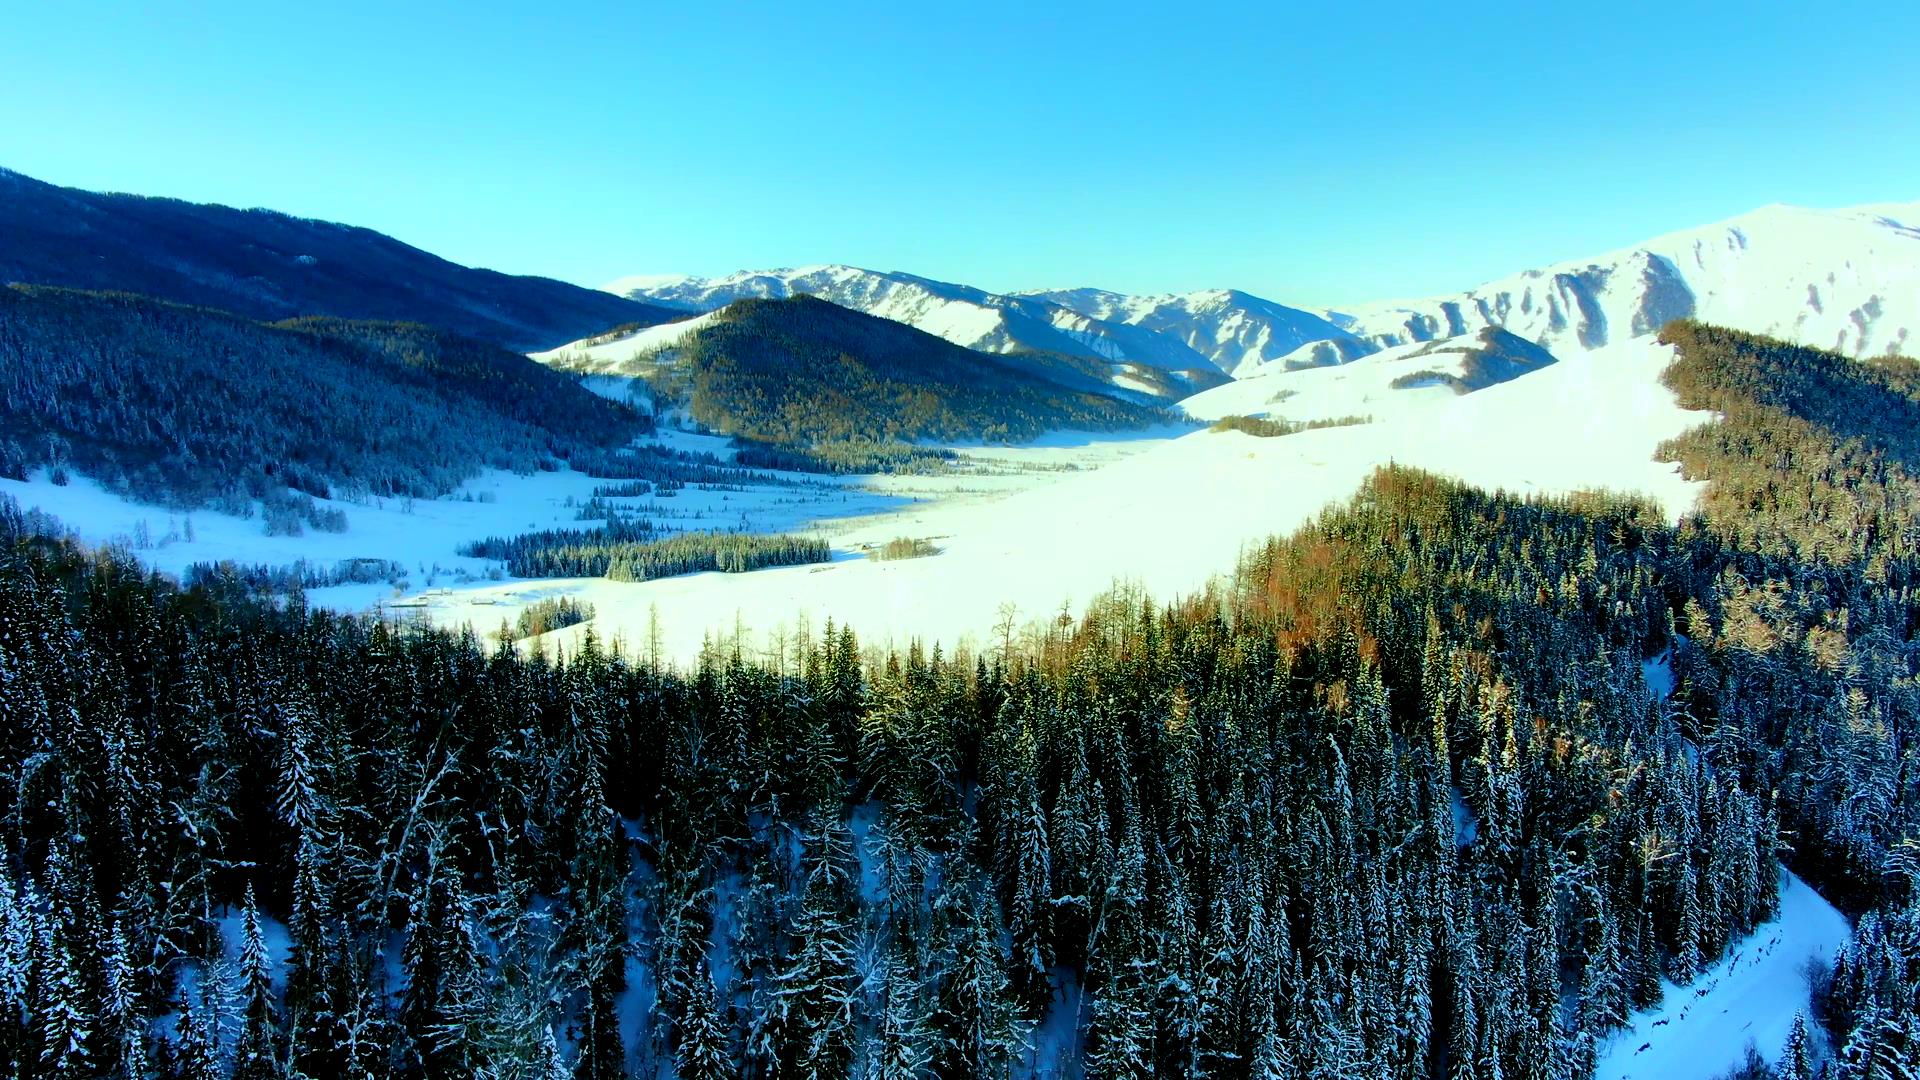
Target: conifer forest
1445, 784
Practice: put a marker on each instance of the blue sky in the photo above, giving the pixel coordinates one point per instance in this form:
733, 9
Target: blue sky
1317, 153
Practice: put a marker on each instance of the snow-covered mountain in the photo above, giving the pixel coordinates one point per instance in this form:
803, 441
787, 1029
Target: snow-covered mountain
1235, 330
1381, 386
1842, 279
1847, 280
964, 315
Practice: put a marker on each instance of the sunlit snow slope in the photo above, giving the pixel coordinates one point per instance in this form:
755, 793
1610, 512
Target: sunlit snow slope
1847, 280
1236, 330
960, 313
1167, 516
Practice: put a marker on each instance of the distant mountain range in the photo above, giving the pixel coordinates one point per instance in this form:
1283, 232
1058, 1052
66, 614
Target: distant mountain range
267, 265
1211, 332
1848, 280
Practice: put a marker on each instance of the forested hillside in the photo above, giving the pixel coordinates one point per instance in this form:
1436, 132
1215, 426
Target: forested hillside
1395, 800
267, 265
189, 406
803, 372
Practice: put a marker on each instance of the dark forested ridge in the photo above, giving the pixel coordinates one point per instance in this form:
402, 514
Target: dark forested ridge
1393, 801
805, 373
268, 265
189, 406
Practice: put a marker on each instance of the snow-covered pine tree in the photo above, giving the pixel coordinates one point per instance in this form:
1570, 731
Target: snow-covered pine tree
65, 1017
1796, 1058
977, 1027
255, 1051
701, 1050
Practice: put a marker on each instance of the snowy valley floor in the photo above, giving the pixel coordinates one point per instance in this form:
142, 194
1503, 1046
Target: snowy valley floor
1024, 529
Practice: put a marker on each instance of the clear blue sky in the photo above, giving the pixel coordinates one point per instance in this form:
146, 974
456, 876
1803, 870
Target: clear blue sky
1314, 154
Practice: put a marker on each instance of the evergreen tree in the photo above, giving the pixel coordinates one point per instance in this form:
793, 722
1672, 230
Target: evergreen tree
255, 1054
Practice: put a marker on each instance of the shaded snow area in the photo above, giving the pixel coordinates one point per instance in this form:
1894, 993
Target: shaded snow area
1657, 672
1466, 827
1700, 1032
424, 535
227, 974
1055, 1052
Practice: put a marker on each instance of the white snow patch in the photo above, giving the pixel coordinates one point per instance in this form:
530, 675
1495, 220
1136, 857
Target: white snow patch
1657, 673
597, 355
1700, 1032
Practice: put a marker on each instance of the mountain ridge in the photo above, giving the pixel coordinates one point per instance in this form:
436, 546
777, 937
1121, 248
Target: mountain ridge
1847, 279
268, 265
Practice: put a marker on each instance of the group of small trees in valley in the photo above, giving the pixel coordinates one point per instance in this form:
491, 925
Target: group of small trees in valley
903, 547
548, 614
628, 549
1263, 427
729, 553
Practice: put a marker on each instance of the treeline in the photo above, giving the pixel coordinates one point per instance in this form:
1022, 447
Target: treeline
696, 552
550, 614
846, 456
561, 552
190, 407
1262, 427
669, 469
803, 372
1815, 457
629, 549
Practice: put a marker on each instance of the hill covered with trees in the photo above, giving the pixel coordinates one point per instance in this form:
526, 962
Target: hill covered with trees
268, 266
1396, 800
190, 406
804, 373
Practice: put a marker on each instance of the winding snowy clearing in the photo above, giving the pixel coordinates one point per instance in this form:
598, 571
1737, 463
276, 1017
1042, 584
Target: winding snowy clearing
1700, 1032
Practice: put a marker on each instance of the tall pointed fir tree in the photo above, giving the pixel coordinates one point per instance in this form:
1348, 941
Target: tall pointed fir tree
255, 1053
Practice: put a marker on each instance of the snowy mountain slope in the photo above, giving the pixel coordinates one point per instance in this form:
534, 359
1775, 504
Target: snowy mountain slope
1324, 353
802, 370
609, 354
1847, 280
1385, 385
962, 314
1235, 330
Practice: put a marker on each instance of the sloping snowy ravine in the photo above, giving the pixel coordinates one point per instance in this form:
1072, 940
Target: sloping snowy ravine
1700, 1032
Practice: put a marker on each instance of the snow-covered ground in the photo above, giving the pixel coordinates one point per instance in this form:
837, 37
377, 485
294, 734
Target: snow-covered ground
608, 354
424, 535
1700, 1032
1033, 527
1163, 513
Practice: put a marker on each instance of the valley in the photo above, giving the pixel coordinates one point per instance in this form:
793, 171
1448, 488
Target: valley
1115, 662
